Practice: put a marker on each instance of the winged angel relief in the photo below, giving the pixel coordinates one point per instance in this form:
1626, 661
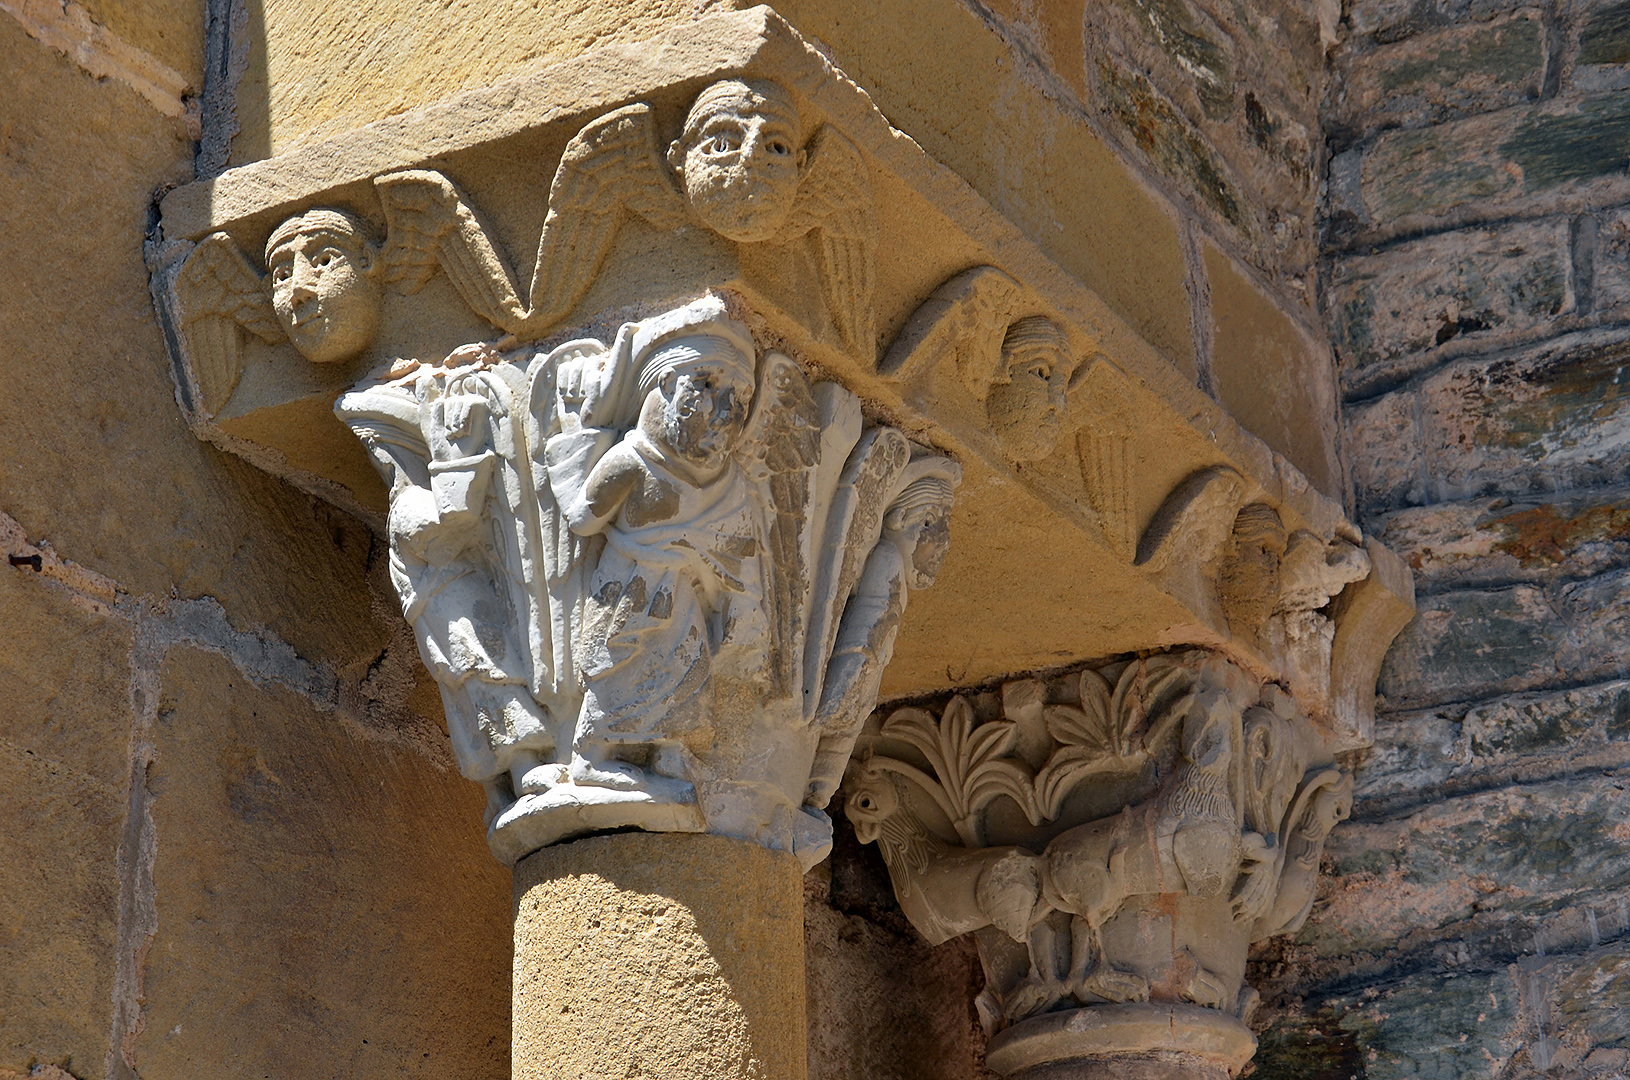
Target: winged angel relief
738, 168
657, 581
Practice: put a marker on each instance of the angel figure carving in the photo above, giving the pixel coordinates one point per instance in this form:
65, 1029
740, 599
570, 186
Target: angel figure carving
1018, 366
321, 293
680, 586
630, 568
741, 168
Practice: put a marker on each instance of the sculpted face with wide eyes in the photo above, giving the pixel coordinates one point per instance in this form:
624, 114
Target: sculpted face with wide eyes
323, 272
739, 158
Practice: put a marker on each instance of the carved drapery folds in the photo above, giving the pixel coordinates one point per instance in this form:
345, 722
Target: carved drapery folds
656, 579
1114, 839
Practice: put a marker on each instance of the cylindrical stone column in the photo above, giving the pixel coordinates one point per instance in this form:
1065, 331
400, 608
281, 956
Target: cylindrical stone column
671, 956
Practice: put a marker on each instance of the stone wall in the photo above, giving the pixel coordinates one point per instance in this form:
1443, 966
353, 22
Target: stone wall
233, 842
1475, 285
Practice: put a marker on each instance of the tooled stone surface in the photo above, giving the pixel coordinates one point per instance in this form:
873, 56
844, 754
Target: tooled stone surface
657, 580
1113, 836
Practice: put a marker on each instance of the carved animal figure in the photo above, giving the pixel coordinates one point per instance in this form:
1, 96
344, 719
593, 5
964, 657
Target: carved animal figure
1187, 839
944, 889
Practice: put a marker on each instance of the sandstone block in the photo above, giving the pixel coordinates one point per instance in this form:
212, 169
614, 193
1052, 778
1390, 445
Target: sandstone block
1471, 288
64, 766
218, 527
1271, 375
325, 901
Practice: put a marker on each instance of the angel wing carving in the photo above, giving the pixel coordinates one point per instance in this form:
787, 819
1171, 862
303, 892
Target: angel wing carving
611, 169
835, 202
222, 296
966, 317
430, 224
784, 440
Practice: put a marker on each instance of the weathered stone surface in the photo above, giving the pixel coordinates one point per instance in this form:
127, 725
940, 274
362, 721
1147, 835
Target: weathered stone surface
1429, 1025
1442, 74
171, 31
1522, 737
1474, 644
1173, 145
1601, 56
325, 900
1543, 1016
1540, 420
664, 956
1271, 375
64, 766
1122, 243
1494, 865
219, 527
310, 75
1556, 155
1497, 541
1455, 291
884, 1004
1394, 20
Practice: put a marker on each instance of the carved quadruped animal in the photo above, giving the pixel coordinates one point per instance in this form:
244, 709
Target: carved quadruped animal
740, 168
987, 830
624, 537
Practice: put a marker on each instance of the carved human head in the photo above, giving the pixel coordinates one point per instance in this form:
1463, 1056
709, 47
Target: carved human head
323, 268
1026, 400
919, 518
696, 380
740, 157
1248, 580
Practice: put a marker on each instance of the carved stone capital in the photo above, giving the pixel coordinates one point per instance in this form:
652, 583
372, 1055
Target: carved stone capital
669, 357
1114, 838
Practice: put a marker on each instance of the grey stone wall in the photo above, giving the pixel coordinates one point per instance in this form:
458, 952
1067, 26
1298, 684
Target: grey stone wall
1477, 288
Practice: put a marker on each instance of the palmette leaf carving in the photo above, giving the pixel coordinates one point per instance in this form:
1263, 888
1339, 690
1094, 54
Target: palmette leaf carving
1106, 732
969, 760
